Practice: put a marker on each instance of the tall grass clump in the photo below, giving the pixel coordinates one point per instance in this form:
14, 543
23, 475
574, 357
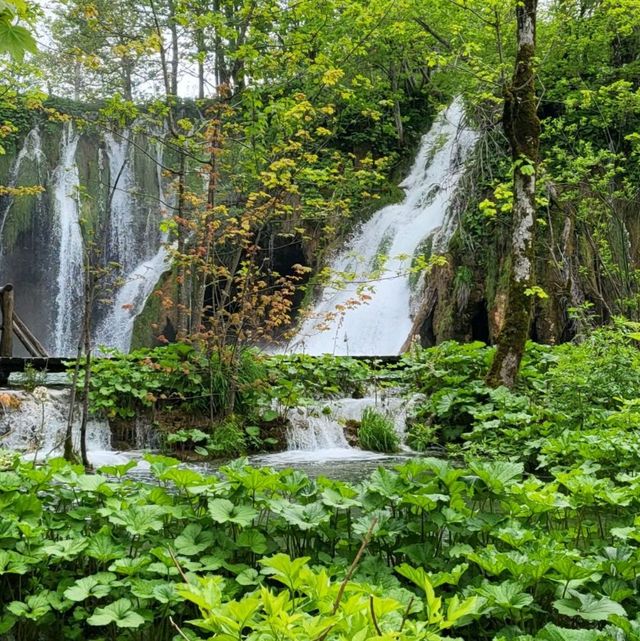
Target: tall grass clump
377, 432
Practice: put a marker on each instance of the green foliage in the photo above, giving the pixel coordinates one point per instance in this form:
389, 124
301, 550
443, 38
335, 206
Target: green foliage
228, 439
377, 432
575, 403
15, 39
421, 437
173, 376
297, 379
479, 552
32, 378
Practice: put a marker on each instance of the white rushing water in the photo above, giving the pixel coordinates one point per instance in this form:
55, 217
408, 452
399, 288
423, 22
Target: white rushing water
70, 276
37, 428
317, 433
121, 187
139, 279
116, 329
344, 322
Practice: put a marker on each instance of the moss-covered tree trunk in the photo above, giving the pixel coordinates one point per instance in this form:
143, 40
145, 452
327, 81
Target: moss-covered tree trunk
522, 128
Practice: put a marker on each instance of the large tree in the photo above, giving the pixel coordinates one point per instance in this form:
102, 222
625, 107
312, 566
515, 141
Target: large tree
522, 128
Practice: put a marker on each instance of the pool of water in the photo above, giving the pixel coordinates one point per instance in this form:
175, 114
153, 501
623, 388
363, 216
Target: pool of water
345, 464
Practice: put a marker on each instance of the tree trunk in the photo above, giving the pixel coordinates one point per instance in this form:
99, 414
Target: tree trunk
127, 82
6, 342
200, 280
522, 128
397, 113
202, 56
183, 307
175, 52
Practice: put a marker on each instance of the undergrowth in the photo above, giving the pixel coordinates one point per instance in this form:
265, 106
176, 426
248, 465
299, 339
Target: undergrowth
377, 432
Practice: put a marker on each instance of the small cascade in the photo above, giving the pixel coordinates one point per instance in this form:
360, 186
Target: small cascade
70, 278
36, 423
370, 314
317, 432
312, 432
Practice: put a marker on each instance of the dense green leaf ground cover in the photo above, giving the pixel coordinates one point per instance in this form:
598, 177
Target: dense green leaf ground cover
527, 530
476, 552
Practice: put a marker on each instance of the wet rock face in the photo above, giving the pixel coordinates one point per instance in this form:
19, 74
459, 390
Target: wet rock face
113, 184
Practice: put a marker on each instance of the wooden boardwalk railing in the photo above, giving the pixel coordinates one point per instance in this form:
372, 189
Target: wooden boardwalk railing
13, 324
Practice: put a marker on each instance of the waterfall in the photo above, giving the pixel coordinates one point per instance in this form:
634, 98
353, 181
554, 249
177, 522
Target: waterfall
370, 312
70, 277
316, 433
31, 151
139, 273
121, 187
36, 427
116, 329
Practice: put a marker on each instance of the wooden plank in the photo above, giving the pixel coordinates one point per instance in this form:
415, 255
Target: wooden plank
7, 303
17, 364
24, 339
31, 343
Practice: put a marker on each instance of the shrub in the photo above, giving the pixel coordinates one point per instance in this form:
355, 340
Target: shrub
175, 375
228, 438
377, 432
421, 437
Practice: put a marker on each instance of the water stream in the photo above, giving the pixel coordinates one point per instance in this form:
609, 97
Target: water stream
70, 246
37, 426
368, 312
122, 243
315, 438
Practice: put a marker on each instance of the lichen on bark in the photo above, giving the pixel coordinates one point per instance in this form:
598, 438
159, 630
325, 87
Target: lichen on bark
522, 128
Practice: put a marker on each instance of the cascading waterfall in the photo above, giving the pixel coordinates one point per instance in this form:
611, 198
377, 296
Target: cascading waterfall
35, 424
31, 151
120, 201
317, 433
70, 279
369, 313
140, 278
114, 181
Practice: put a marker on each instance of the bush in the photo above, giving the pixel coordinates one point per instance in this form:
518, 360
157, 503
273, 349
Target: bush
421, 437
228, 438
377, 432
299, 377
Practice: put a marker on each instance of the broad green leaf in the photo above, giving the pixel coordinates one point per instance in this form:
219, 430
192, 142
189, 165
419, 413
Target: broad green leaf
16, 40
193, 540
120, 612
34, 608
97, 586
224, 511
552, 632
589, 607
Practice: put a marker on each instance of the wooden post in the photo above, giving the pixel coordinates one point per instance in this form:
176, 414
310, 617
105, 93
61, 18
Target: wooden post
7, 304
